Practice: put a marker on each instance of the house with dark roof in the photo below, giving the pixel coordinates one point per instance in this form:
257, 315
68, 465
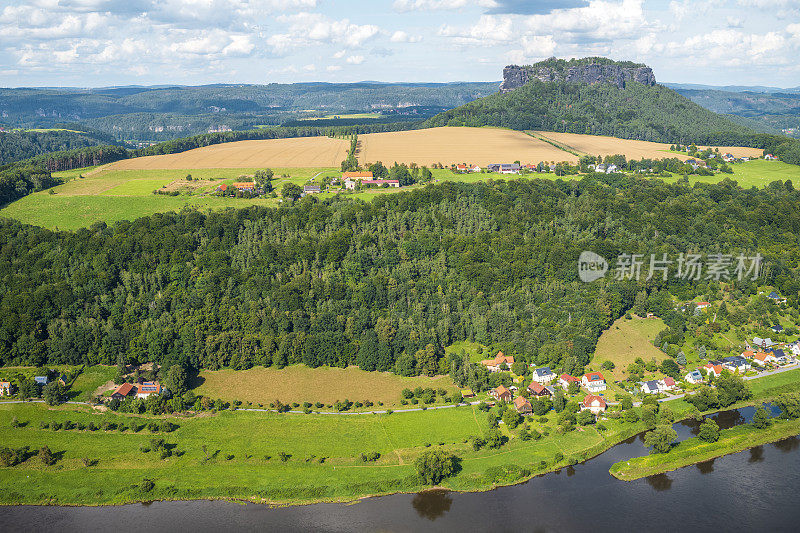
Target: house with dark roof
736, 362
41, 380
650, 387
777, 328
311, 189
543, 375
63, 379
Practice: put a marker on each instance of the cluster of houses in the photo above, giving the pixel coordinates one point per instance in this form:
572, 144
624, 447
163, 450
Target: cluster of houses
351, 179
143, 389
41, 381
542, 385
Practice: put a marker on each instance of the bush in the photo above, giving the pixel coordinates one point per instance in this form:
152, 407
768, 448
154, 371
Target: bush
44, 425
283, 456
46, 456
147, 485
709, 431
558, 457
370, 457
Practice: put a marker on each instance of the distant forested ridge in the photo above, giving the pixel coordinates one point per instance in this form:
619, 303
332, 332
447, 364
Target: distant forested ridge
385, 285
165, 113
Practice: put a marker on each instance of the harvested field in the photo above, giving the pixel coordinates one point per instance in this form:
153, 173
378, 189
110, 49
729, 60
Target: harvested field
299, 383
479, 146
296, 152
599, 145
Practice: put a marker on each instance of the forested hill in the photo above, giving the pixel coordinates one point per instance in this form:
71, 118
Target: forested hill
385, 284
637, 111
16, 145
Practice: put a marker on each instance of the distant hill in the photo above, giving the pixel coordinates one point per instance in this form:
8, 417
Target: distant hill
621, 99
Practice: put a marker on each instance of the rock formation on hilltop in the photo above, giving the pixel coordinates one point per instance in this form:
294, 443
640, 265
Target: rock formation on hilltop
588, 70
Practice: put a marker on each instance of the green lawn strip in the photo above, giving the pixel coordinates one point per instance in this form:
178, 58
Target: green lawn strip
694, 450
89, 380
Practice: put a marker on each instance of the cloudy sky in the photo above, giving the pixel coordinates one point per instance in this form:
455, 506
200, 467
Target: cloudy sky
119, 42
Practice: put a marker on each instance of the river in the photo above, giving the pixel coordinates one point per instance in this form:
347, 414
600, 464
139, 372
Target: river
757, 489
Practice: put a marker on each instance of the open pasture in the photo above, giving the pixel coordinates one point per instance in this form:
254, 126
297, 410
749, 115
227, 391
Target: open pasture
626, 340
479, 146
299, 383
295, 152
600, 145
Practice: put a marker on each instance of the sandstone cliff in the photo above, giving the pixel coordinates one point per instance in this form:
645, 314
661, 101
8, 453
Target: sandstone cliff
585, 71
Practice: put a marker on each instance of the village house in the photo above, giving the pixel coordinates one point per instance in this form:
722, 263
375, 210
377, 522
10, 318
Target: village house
736, 362
565, 379
123, 391
795, 347
713, 367
777, 328
702, 305
763, 343
461, 167
312, 189
728, 158
5, 388
474, 168
543, 375
501, 394
63, 379
41, 380
594, 382
504, 168
667, 384
593, 403
650, 387
770, 157
493, 365
694, 377
537, 389
148, 388
523, 406
775, 297
762, 358
248, 186
351, 184
781, 357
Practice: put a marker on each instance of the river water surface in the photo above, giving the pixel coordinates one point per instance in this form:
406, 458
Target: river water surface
755, 490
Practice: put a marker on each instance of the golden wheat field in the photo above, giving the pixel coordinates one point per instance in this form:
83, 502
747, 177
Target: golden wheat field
599, 145
296, 152
479, 146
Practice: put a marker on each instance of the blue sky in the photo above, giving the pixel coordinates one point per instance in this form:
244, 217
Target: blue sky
119, 42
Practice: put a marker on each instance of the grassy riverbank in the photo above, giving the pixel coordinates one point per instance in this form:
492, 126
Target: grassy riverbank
694, 450
237, 455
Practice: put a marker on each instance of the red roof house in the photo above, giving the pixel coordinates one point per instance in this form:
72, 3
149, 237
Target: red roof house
501, 393
123, 391
593, 403
537, 389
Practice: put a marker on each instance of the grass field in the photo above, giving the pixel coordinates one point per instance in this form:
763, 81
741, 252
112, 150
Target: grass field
479, 146
243, 448
296, 152
299, 383
626, 340
601, 145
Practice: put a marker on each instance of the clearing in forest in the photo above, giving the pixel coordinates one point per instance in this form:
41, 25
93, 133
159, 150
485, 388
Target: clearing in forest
299, 383
626, 340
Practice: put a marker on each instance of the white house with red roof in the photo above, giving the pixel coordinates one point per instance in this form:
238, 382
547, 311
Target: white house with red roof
667, 384
593, 403
148, 388
594, 382
565, 379
714, 367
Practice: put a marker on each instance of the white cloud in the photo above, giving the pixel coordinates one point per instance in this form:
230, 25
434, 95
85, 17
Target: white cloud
306, 29
355, 60
402, 37
333, 68
439, 5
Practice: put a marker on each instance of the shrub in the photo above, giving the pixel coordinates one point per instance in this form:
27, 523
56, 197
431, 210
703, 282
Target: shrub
55, 426
558, 457
370, 457
147, 485
435, 465
283, 456
44, 425
46, 456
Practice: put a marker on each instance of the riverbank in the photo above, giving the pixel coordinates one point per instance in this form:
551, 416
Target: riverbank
282, 459
694, 450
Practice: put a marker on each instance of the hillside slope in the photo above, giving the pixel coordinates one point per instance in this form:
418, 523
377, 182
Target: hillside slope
633, 112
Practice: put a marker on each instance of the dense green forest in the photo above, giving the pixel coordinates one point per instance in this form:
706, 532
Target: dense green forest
386, 284
19, 145
22, 180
